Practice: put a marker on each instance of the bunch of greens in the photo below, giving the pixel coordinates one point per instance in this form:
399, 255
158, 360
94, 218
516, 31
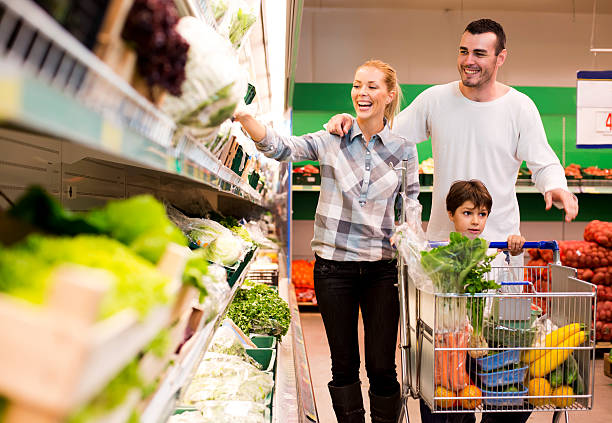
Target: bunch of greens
449, 265
457, 268
475, 283
258, 308
233, 225
139, 222
25, 271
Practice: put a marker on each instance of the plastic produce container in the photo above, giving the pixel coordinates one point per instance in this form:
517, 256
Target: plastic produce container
504, 377
501, 359
509, 398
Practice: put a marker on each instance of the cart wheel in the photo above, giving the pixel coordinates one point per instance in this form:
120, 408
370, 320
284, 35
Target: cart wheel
557, 416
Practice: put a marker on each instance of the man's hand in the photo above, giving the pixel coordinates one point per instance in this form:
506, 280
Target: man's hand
340, 124
568, 201
515, 244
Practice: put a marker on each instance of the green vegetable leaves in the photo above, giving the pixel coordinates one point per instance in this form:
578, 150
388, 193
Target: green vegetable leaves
258, 308
449, 265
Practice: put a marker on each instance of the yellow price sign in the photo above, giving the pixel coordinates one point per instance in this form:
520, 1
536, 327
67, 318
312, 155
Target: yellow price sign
111, 137
11, 98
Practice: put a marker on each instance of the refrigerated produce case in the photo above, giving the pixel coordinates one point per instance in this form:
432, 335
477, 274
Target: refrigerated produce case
76, 127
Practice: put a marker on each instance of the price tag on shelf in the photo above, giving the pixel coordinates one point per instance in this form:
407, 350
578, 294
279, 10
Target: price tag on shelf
603, 122
594, 109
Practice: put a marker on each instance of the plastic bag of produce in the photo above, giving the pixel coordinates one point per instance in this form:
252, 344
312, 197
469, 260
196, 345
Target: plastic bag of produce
237, 22
227, 342
204, 231
232, 411
226, 377
215, 82
227, 249
217, 288
410, 240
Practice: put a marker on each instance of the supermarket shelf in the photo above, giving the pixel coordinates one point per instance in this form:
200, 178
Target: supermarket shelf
58, 87
603, 345
166, 396
520, 189
307, 304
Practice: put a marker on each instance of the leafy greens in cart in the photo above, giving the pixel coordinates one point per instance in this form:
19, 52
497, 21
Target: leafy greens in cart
461, 267
449, 265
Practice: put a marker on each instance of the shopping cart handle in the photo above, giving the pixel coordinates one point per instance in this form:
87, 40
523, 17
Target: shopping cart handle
542, 245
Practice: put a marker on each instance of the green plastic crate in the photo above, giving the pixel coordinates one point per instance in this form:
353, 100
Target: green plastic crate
263, 341
266, 357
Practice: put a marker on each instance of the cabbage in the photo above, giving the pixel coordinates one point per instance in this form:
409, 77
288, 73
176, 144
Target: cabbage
215, 81
227, 250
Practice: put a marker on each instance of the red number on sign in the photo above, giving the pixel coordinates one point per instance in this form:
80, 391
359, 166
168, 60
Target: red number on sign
609, 121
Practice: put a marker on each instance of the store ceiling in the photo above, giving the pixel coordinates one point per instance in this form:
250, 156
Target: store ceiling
553, 6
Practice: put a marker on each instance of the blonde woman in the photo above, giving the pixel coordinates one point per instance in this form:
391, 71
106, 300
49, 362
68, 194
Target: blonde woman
354, 265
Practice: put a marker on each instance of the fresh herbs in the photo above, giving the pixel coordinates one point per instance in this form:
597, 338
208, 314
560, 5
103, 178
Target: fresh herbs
258, 308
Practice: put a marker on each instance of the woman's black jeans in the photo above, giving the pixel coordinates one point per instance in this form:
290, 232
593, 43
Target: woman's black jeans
341, 289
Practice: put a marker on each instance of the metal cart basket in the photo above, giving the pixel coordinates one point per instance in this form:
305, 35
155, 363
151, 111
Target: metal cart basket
536, 349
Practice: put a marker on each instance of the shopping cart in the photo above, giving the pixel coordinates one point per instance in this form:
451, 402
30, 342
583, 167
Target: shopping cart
507, 372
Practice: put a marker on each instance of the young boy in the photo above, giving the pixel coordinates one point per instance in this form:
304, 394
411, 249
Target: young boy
468, 205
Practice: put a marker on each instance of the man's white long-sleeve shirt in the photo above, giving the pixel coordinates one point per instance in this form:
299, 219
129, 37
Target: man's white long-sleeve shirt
481, 140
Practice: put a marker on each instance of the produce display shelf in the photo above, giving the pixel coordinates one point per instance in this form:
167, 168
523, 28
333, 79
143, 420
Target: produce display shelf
307, 304
179, 376
603, 345
520, 189
53, 85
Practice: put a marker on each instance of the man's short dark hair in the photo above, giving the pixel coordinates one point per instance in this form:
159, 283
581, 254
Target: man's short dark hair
482, 26
472, 190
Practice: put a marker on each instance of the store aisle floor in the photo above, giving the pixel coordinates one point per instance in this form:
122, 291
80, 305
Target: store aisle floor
320, 371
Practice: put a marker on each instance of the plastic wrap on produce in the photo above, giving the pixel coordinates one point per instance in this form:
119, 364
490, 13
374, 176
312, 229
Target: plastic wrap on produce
237, 21
215, 82
409, 239
223, 412
218, 290
227, 342
226, 377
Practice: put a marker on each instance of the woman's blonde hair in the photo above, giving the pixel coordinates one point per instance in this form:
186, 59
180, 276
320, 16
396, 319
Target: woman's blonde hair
390, 78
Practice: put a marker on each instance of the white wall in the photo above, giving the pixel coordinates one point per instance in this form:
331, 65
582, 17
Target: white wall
545, 49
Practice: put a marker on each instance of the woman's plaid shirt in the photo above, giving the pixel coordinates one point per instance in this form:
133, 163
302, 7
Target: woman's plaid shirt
359, 184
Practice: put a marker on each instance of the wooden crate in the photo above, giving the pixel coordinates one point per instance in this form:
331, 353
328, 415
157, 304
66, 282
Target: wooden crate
56, 357
110, 47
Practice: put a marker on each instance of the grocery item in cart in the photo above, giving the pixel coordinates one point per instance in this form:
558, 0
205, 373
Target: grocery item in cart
451, 368
503, 377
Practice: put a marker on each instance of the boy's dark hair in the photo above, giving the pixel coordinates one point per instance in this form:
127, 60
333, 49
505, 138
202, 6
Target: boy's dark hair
482, 26
472, 190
